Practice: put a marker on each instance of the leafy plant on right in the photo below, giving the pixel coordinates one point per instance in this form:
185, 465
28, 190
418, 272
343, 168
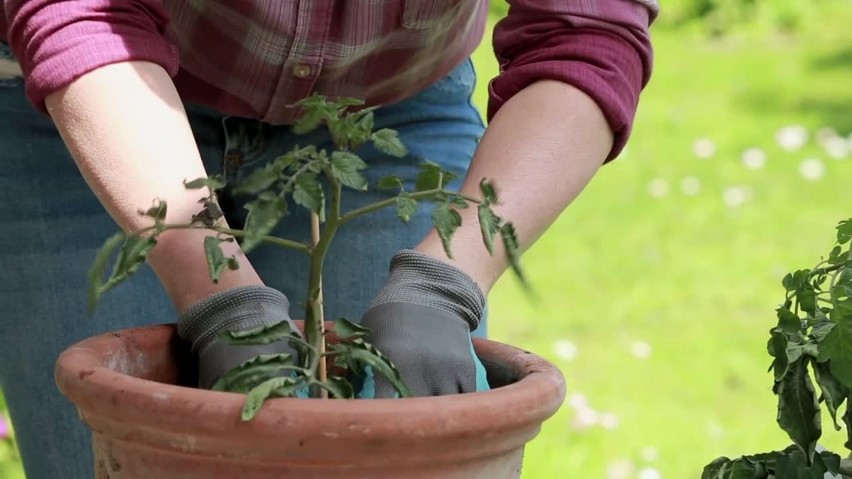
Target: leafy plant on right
811, 347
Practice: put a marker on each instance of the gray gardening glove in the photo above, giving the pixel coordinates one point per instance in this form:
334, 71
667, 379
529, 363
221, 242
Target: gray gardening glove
233, 310
422, 320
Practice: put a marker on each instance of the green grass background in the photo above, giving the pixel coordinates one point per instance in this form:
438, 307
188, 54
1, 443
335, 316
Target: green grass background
692, 279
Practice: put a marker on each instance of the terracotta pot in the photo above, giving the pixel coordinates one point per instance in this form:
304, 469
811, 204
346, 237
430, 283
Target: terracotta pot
130, 388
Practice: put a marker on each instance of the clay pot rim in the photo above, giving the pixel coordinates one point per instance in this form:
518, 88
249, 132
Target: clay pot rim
84, 379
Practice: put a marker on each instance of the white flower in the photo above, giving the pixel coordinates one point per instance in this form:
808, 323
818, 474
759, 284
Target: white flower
609, 421
792, 138
649, 473
640, 349
565, 349
704, 148
754, 158
619, 469
812, 169
577, 400
658, 188
690, 186
836, 148
736, 195
585, 418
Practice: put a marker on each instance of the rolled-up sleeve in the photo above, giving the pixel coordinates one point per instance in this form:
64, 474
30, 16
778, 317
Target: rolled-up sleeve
57, 41
601, 47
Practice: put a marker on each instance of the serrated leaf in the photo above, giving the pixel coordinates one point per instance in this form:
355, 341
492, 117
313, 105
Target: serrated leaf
262, 179
387, 141
308, 121
806, 297
264, 213
837, 255
834, 393
389, 182
489, 193
836, 347
778, 350
821, 329
844, 231
798, 409
252, 372
214, 182
459, 202
339, 387
266, 334
345, 166
366, 354
513, 250
489, 224
216, 260
275, 387
405, 207
446, 221
308, 192
99, 266
345, 329
157, 211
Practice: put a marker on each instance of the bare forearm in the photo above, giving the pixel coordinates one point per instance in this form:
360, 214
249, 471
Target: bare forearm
540, 150
125, 126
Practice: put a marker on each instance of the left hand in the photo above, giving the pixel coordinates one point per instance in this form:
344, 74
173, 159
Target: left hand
422, 320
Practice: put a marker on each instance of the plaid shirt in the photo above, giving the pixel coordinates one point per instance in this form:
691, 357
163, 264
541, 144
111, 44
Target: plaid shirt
254, 58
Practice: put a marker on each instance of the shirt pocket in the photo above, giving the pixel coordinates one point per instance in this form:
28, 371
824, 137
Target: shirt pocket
424, 14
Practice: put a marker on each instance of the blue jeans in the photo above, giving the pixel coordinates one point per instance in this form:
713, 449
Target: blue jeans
51, 226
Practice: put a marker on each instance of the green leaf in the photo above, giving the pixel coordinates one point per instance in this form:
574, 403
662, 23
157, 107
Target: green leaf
405, 207
275, 387
806, 298
345, 166
459, 202
798, 409
390, 182
308, 192
788, 321
252, 372
793, 464
747, 467
214, 182
431, 177
837, 348
366, 354
833, 391
262, 179
345, 329
778, 345
446, 221
338, 387
844, 231
99, 266
387, 141
489, 224
266, 334
264, 214
513, 250
157, 211
821, 329
216, 260
488, 191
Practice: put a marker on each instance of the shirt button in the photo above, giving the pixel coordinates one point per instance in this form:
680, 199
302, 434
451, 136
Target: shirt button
301, 71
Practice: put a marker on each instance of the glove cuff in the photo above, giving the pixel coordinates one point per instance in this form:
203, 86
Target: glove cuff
234, 310
416, 278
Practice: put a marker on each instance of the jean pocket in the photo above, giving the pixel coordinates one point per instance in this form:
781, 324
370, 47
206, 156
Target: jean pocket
424, 14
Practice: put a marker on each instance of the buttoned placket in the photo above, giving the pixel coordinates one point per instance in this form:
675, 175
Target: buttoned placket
300, 73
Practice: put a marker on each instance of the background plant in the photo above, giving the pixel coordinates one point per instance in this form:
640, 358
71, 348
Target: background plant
813, 336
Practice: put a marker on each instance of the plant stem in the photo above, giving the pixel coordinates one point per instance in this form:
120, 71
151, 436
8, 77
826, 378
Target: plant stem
321, 366
235, 233
314, 320
419, 195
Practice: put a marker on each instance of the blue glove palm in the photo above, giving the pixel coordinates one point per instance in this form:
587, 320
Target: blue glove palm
422, 320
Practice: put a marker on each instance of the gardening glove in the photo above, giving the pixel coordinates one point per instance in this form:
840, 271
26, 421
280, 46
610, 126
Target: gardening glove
422, 320
232, 310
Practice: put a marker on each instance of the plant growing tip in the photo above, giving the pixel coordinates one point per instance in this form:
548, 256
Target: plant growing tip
811, 350
316, 180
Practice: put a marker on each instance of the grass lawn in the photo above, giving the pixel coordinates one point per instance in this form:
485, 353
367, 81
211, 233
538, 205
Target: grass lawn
658, 285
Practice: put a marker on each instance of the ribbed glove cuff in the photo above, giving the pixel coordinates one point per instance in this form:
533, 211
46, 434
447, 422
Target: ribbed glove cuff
416, 278
235, 309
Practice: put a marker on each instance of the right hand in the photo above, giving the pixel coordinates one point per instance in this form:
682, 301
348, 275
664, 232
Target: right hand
235, 309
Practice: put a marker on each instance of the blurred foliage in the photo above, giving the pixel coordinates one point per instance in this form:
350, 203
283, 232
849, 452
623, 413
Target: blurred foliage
718, 17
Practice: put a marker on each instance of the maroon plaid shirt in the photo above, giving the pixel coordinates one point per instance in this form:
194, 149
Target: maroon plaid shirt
254, 58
